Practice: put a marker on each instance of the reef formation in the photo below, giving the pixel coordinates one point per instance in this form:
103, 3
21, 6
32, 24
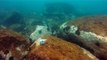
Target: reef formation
84, 38
16, 47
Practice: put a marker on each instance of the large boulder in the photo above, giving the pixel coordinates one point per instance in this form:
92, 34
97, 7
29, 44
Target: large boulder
88, 32
12, 45
58, 49
40, 31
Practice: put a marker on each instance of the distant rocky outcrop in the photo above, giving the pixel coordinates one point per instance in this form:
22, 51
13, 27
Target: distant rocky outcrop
13, 18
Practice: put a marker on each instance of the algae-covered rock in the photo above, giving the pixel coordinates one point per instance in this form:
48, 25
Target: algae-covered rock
12, 45
89, 32
58, 49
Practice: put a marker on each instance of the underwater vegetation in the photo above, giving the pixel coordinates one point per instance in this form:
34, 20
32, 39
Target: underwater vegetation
57, 31
84, 41
58, 49
14, 46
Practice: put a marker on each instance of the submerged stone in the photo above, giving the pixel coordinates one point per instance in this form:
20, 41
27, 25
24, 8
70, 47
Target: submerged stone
90, 33
12, 45
39, 32
58, 49
15, 46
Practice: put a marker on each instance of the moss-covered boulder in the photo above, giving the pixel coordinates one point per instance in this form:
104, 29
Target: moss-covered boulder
12, 45
89, 32
58, 49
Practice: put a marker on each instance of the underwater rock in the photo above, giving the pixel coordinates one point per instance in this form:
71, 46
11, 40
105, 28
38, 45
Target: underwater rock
40, 31
88, 32
39, 41
58, 49
12, 45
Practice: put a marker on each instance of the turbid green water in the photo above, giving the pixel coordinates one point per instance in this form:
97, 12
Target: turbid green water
48, 12
88, 7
